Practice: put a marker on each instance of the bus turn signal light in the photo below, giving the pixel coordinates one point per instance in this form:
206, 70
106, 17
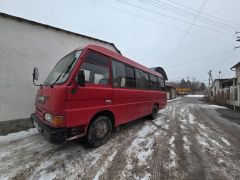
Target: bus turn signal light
57, 120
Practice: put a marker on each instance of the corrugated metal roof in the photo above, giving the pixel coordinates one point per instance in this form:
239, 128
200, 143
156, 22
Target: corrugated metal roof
56, 29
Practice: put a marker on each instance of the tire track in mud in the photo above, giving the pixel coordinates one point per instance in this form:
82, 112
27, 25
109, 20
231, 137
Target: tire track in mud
195, 160
223, 156
118, 159
167, 163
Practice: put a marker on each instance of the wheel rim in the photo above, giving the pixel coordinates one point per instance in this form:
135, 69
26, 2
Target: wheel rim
101, 130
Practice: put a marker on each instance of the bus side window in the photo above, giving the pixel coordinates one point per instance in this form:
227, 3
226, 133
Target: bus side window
118, 71
142, 79
130, 77
161, 84
96, 68
154, 82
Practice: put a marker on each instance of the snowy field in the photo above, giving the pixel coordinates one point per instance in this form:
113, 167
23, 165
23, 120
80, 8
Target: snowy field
188, 140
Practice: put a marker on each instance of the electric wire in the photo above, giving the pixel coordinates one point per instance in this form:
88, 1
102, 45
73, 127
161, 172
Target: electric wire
174, 18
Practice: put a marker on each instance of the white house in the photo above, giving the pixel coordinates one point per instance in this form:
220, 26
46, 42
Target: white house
235, 89
227, 90
25, 44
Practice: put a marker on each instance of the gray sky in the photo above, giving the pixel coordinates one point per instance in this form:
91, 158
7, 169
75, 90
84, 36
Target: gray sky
148, 33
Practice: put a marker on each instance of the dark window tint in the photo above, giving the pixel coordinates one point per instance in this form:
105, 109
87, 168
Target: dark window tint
118, 70
95, 74
97, 58
142, 80
154, 82
130, 77
123, 75
161, 83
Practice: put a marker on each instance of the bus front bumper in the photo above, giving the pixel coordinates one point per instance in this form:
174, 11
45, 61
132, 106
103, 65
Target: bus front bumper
54, 135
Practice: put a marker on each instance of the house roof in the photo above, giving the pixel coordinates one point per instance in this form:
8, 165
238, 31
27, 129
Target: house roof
236, 65
161, 71
170, 84
56, 29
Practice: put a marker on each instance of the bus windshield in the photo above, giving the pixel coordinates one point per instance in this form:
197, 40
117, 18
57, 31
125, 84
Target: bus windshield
63, 68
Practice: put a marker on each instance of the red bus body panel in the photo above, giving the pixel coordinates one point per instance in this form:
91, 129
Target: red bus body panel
78, 105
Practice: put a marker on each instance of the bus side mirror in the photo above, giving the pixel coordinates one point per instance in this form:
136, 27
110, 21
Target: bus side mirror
35, 73
81, 78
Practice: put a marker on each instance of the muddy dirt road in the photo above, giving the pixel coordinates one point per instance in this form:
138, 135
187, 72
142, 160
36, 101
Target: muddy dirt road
188, 140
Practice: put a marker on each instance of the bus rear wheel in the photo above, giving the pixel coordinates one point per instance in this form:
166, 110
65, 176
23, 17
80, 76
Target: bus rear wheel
99, 131
154, 112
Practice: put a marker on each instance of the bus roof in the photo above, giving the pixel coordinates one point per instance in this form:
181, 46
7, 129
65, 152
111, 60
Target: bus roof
121, 58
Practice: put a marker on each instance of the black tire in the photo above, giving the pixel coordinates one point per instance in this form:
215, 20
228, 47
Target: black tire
99, 131
154, 112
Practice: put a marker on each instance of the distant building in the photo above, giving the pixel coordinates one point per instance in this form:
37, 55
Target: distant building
26, 44
171, 90
227, 91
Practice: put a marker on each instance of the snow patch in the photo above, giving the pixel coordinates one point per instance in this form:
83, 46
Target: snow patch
197, 95
191, 118
172, 155
105, 166
146, 130
212, 106
202, 126
48, 176
225, 141
186, 144
18, 135
142, 149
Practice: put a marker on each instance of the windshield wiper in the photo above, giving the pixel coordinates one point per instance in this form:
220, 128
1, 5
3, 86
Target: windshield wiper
64, 72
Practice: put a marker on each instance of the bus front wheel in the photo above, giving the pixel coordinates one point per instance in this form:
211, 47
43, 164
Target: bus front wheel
99, 131
154, 112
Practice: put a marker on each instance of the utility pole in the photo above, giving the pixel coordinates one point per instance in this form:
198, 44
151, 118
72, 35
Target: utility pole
209, 81
238, 39
219, 72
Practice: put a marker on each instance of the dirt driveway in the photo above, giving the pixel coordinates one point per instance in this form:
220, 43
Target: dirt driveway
189, 140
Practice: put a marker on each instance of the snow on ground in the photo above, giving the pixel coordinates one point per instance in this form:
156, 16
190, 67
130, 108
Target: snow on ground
172, 155
187, 135
18, 135
225, 141
105, 166
142, 149
196, 95
212, 106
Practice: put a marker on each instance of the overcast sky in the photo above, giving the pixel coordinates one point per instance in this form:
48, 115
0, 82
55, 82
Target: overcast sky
186, 37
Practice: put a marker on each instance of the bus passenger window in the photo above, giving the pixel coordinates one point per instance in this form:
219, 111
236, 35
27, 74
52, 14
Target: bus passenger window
161, 84
118, 70
154, 82
96, 69
142, 79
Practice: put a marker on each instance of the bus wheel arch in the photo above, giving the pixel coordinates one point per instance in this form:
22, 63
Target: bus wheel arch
100, 128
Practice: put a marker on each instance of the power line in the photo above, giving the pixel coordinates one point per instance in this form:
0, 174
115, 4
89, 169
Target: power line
158, 22
170, 17
188, 14
209, 15
192, 24
200, 59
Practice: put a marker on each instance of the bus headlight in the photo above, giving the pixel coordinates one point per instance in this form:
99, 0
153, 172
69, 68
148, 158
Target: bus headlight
48, 117
55, 120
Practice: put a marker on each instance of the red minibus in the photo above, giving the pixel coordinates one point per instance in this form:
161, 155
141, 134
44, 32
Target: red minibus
93, 90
